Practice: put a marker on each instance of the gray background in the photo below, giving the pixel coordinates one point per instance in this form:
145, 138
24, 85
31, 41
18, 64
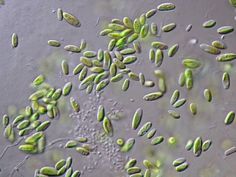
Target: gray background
35, 23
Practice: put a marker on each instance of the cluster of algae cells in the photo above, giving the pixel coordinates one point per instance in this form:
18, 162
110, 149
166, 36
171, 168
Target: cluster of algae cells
97, 70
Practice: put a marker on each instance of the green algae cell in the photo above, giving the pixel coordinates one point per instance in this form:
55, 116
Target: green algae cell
74, 104
191, 63
159, 45
197, 146
128, 145
14, 40
179, 103
9, 133
71, 19
209, 23
166, 6
50, 171
72, 48
174, 114
226, 80
5, 120
82, 151
210, 49
152, 96
174, 97
67, 89
208, 95
125, 85
157, 140
159, 56
150, 13
189, 145
178, 161
76, 173
130, 163
120, 142
233, 2
226, 57
137, 117
218, 44
145, 128
107, 126
182, 167
100, 113
173, 50
151, 133
225, 29
169, 27
172, 141
59, 14
38, 80
193, 108
71, 144
54, 43
229, 118
65, 67
206, 145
